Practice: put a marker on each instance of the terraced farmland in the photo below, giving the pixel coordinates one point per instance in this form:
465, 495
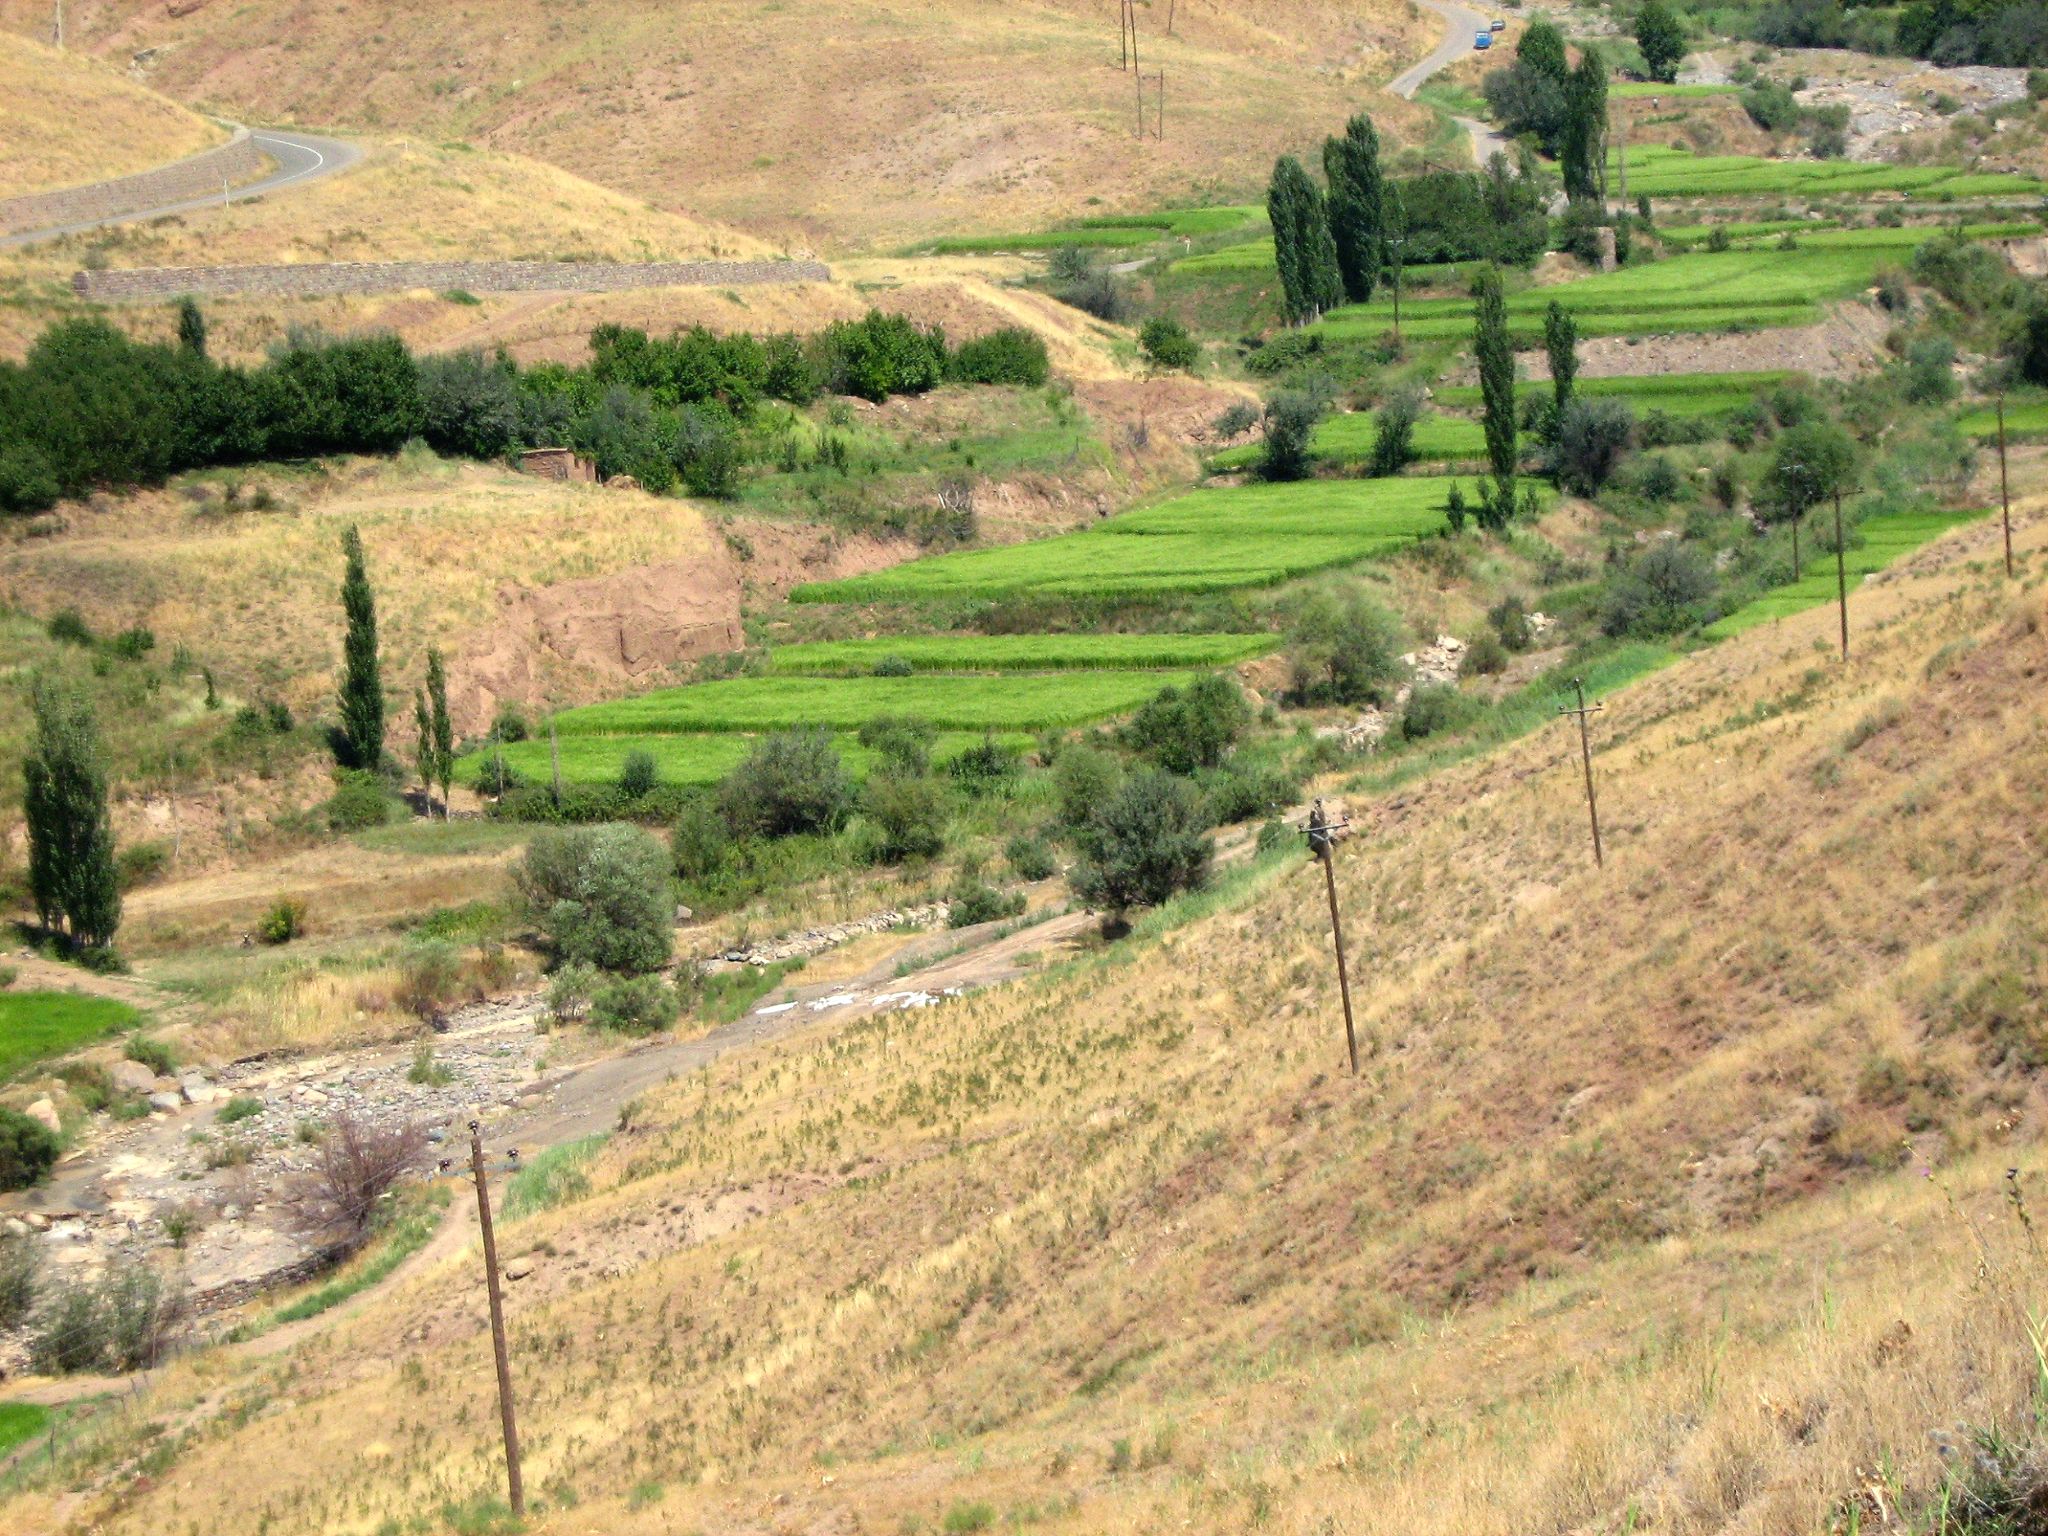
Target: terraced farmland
1885, 539
1017, 653
1660, 171
1112, 233
1206, 541
2023, 419
695, 759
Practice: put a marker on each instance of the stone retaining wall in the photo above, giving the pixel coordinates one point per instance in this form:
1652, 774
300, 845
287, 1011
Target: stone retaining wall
240, 160
232, 1293
314, 279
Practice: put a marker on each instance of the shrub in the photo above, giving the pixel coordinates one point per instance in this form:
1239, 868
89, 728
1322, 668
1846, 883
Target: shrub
1083, 778
1658, 480
600, 895
1235, 420
1098, 293
1012, 355
1167, 342
1592, 435
509, 724
285, 921
1291, 421
882, 355
469, 405
27, 483
20, 1278
570, 990
151, 1053
892, 666
983, 766
1393, 432
28, 1150
357, 1164
241, 1107
1485, 656
496, 778
698, 842
1143, 844
1343, 648
790, 782
1510, 620
1930, 379
359, 801
901, 741
1664, 592
970, 902
1241, 793
133, 643
71, 1334
1433, 708
68, 626
1186, 729
639, 774
909, 813
429, 976
1030, 858
634, 1005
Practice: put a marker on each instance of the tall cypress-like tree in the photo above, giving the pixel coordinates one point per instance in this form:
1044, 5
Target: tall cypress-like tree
1302, 246
362, 682
1357, 205
1496, 355
191, 326
1582, 156
1542, 48
70, 838
1561, 341
1326, 279
439, 725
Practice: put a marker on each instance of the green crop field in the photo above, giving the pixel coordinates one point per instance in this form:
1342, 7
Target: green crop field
1703, 291
1657, 170
1018, 653
1206, 541
697, 760
950, 701
1115, 232
2023, 418
1885, 539
1633, 90
38, 1025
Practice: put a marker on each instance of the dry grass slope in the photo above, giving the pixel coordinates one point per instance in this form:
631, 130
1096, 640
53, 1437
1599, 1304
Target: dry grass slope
847, 122
68, 118
1668, 1198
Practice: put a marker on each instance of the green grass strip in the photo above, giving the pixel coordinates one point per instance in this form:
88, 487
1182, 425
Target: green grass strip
417, 1218
1886, 538
21, 1422
35, 1026
696, 760
554, 1177
1017, 653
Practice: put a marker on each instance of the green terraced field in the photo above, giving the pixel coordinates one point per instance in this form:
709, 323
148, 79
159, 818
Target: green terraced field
1206, 541
1116, 232
695, 760
36, 1025
1663, 172
2023, 418
1631, 90
1885, 539
1018, 653
1703, 291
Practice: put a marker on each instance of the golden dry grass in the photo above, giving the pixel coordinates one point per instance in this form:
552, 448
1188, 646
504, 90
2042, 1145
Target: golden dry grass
847, 122
1618, 1229
68, 118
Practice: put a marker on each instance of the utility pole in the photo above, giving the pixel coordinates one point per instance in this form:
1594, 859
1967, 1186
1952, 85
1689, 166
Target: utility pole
513, 1486
555, 759
1161, 135
1621, 155
1169, 16
1322, 843
2004, 494
1842, 572
1586, 755
60, 26
1127, 31
1137, 74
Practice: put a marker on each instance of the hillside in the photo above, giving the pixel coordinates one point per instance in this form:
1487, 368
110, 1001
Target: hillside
67, 118
954, 116
1668, 1199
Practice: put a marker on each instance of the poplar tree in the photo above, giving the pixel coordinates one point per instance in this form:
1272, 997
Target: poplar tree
1357, 205
70, 838
1496, 354
1302, 247
362, 684
1561, 341
1582, 155
440, 727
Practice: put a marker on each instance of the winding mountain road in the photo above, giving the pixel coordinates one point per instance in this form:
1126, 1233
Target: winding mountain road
300, 157
1461, 25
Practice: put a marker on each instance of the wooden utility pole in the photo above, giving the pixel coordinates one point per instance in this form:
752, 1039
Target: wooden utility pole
1586, 755
2004, 493
1169, 16
1162, 106
514, 1487
60, 26
1795, 544
1137, 75
1127, 32
555, 759
1842, 572
1322, 843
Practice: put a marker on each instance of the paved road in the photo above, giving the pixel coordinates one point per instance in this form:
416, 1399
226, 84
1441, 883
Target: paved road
1461, 25
300, 157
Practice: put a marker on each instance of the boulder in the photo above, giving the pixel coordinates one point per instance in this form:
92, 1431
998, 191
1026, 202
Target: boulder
519, 1269
44, 1113
132, 1077
168, 1103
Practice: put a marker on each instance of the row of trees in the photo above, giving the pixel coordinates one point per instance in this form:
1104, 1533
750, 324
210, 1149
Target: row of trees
1330, 247
1564, 108
90, 407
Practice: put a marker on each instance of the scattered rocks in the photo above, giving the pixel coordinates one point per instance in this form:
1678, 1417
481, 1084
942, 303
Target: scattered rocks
812, 941
1436, 664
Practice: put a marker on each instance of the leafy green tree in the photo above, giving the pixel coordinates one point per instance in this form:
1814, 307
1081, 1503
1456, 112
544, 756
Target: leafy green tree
1357, 215
791, 782
1344, 648
1146, 842
909, 811
1809, 463
1542, 49
1661, 39
1561, 343
1496, 353
1582, 154
362, 678
1302, 245
1291, 419
191, 326
71, 870
1188, 729
1167, 342
600, 896
1592, 435
1393, 433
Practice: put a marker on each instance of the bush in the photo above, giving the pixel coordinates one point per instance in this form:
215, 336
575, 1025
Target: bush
883, 355
359, 801
496, 778
1343, 648
790, 782
1012, 355
469, 405
909, 812
698, 842
1393, 432
639, 774
983, 766
1241, 793
1433, 708
1592, 435
1098, 293
1930, 379
1485, 656
1235, 420
429, 976
1030, 858
1142, 845
151, 1053
900, 741
1510, 620
1167, 342
1771, 106
970, 902
892, 666
1185, 730
1291, 421
357, 1164
600, 895
68, 627
27, 483
285, 921
1665, 591
510, 724
20, 1278
570, 990
634, 1005
28, 1150
1083, 778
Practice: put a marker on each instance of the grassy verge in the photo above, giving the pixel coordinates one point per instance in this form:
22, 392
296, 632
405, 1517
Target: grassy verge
35, 1026
1885, 538
20, 1422
553, 1178
698, 759
729, 994
414, 1220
